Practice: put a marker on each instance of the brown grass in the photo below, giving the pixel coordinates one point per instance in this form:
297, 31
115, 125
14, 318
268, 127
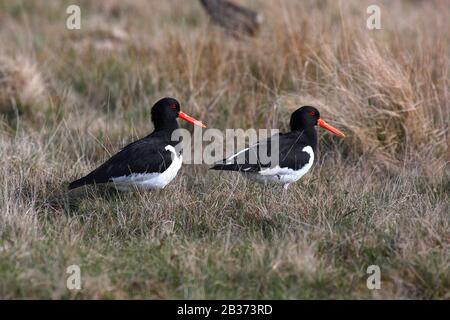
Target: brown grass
21, 85
380, 196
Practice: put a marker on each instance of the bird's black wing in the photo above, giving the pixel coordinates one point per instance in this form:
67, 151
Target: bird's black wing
248, 159
259, 156
142, 156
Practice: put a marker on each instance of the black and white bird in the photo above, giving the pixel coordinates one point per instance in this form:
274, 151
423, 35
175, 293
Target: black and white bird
149, 163
295, 151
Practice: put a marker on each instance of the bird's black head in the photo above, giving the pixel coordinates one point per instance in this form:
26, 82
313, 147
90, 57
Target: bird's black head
304, 118
165, 113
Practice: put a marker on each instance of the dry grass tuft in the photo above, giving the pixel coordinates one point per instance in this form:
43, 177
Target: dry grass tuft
22, 86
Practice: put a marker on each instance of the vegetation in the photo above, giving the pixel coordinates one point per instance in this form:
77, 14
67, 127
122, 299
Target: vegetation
71, 98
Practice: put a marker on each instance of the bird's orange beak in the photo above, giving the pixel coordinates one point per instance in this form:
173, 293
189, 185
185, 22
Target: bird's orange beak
330, 128
184, 116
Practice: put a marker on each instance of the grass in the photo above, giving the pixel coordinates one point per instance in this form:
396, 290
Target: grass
68, 99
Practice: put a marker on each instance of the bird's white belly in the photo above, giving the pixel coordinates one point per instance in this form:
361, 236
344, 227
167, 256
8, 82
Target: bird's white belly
146, 181
284, 176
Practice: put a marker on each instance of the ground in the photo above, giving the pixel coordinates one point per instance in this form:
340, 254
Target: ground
71, 98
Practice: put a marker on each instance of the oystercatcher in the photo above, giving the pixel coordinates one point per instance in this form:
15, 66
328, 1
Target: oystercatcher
295, 151
149, 163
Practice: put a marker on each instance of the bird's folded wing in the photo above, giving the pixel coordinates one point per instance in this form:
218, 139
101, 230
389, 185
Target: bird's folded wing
139, 157
251, 159
263, 155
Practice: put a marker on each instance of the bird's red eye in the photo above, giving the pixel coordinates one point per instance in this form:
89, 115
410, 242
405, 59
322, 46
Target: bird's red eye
312, 113
173, 106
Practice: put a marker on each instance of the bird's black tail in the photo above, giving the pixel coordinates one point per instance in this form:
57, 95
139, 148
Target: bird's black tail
234, 167
78, 183
223, 166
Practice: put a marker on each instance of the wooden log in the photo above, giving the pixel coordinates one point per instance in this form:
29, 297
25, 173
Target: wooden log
235, 19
